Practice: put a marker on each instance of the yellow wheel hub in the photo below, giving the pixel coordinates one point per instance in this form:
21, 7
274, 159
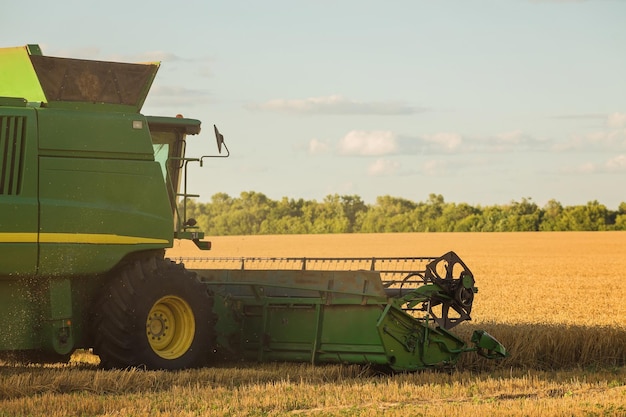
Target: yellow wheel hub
170, 327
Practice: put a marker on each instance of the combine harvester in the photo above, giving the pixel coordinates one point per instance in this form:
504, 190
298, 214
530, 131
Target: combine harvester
89, 192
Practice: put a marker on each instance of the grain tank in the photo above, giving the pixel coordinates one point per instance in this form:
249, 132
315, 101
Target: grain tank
89, 193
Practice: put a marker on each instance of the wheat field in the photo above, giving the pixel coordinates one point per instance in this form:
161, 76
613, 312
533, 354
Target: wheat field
565, 278
556, 300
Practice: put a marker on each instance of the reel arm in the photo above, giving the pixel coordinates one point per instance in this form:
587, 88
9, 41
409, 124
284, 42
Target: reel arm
448, 293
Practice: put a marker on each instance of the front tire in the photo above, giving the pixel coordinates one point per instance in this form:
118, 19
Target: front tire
154, 314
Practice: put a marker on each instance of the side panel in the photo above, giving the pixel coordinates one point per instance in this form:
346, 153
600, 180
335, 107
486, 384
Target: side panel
18, 191
295, 315
102, 195
19, 309
315, 333
108, 135
93, 212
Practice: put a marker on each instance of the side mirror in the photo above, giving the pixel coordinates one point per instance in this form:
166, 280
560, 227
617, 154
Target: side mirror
219, 138
220, 142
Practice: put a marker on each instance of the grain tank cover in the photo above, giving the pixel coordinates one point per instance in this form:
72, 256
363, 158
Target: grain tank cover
26, 73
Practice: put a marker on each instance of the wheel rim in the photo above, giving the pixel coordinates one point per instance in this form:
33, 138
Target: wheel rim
170, 327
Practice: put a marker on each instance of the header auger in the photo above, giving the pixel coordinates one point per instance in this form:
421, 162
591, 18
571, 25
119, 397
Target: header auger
90, 191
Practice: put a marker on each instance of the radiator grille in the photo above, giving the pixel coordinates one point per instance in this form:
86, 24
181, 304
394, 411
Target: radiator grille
12, 132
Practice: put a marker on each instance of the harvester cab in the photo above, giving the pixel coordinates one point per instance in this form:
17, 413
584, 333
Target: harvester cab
89, 200
169, 141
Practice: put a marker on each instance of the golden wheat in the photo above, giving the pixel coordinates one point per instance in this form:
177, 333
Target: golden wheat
554, 299
574, 278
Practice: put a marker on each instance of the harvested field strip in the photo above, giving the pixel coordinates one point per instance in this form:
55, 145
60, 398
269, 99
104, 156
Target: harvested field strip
298, 389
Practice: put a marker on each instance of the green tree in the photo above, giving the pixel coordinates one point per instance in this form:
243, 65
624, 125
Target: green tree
329, 216
389, 214
255, 213
427, 215
286, 217
590, 217
460, 218
523, 216
493, 219
353, 209
209, 216
620, 219
552, 217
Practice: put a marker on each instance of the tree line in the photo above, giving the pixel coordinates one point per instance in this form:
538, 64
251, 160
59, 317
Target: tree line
254, 213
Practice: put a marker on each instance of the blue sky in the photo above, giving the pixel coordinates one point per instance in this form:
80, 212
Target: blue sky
484, 102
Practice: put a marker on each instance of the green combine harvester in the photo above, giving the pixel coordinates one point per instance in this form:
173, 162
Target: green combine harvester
89, 194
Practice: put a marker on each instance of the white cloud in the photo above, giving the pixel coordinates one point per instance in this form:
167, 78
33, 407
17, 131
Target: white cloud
335, 104
616, 120
586, 168
575, 142
204, 71
317, 147
451, 142
612, 138
514, 140
346, 187
445, 141
612, 165
617, 163
368, 143
581, 116
514, 137
168, 96
165, 90
433, 167
382, 167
